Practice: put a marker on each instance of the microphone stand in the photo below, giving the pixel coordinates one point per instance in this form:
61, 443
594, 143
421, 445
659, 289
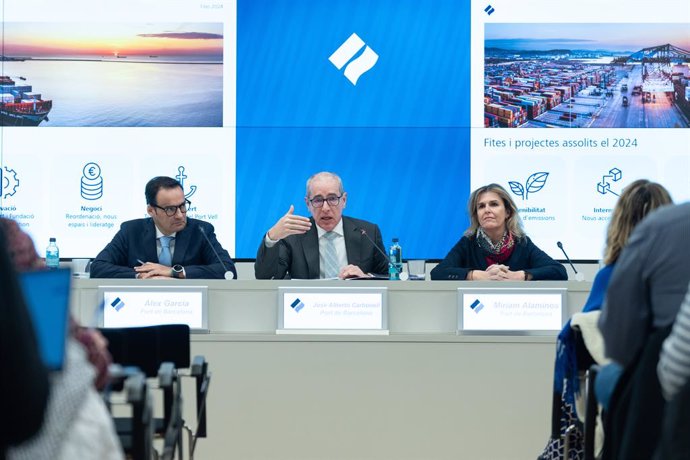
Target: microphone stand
228, 274
400, 273
578, 276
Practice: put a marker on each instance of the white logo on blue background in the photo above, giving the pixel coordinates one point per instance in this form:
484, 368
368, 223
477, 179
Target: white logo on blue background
354, 68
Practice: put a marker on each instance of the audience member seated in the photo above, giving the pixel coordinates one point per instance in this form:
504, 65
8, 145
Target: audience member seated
674, 377
77, 423
24, 382
637, 200
643, 298
674, 362
495, 246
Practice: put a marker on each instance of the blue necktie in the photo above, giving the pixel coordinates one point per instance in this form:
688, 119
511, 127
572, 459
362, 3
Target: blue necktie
330, 257
165, 258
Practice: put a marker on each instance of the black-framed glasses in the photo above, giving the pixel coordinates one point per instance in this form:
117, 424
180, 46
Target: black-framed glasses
172, 210
332, 200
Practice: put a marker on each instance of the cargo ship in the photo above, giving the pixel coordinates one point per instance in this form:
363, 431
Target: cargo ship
20, 106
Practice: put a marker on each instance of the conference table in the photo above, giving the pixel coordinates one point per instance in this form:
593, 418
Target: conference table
423, 391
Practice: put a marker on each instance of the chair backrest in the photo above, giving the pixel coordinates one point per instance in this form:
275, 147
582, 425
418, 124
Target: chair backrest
147, 347
591, 412
136, 389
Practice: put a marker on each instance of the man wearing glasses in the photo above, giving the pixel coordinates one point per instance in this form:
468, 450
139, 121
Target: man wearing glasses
327, 246
166, 245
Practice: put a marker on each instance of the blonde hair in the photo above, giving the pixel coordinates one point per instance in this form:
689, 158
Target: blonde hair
513, 222
637, 200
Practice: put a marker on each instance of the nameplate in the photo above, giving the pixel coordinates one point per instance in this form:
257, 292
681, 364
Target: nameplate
329, 310
527, 311
134, 306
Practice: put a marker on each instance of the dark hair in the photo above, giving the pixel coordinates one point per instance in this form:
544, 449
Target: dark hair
513, 222
157, 183
637, 200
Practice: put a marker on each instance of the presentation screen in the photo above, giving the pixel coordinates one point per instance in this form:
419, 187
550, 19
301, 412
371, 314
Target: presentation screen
413, 104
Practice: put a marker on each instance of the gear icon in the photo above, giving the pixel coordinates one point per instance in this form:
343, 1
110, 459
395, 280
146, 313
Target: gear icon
8, 181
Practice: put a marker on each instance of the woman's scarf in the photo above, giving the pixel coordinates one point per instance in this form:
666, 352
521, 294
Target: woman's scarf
496, 253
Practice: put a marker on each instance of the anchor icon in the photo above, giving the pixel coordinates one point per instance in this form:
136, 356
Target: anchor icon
181, 177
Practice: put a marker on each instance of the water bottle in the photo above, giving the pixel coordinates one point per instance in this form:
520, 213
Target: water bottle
395, 262
52, 255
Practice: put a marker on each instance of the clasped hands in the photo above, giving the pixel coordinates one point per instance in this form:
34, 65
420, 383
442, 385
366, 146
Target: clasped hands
151, 270
498, 272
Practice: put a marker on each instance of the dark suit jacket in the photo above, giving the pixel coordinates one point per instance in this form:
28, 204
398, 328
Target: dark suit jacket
297, 256
137, 240
466, 255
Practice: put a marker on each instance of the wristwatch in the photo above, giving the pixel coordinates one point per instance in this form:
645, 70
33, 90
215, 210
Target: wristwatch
177, 271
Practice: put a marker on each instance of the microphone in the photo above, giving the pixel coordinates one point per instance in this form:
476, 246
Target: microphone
228, 274
401, 274
578, 276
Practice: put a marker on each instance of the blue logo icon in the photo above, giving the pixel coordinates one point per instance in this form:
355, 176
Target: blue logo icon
8, 182
180, 178
489, 9
477, 306
354, 68
297, 305
534, 183
91, 182
604, 186
117, 304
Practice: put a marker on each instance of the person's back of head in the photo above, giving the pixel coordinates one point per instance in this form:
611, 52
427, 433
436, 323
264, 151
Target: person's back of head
638, 199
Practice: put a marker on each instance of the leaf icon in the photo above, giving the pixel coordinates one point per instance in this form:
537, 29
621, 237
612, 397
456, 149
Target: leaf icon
535, 182
517, 188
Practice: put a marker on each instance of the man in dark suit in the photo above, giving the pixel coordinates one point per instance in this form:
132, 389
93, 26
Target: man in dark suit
329, 245
166, 245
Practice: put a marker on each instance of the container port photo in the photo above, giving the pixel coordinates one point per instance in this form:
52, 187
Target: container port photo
586, 75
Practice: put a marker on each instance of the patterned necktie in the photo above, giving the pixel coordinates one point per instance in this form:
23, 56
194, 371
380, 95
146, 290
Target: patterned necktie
330, 256
165, 258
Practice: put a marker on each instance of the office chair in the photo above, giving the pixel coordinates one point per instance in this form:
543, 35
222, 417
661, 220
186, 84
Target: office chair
591, 411
572, 435
161, 351
138, 441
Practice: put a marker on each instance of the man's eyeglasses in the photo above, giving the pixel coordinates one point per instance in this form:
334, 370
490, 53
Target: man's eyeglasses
332, 200
172, 210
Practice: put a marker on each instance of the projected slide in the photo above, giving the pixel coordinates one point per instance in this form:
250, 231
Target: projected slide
311, 96
615, 90
414, 104
96, 101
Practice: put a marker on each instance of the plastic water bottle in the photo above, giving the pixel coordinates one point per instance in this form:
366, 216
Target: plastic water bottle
395, 256
52, 255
